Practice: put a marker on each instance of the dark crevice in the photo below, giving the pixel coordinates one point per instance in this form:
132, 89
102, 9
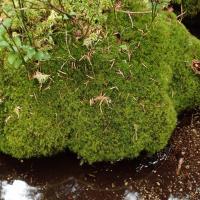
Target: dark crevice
193, 25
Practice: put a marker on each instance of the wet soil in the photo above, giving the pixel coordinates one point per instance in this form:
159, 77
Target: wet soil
173, 173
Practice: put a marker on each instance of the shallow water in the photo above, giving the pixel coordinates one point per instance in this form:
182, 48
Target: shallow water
61, 177
19, 190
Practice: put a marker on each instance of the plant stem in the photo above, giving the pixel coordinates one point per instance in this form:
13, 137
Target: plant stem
9, 44
23, 19
13, 2
113, 5
154, 9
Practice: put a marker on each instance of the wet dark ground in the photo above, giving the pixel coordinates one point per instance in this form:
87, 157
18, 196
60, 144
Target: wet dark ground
148, 177
193, 24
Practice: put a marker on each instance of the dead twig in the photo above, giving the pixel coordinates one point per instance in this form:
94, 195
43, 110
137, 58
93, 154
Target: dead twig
102, 98
41, 77
134, 13
17, 111
181, 15
119, 72
180, 163
129, 15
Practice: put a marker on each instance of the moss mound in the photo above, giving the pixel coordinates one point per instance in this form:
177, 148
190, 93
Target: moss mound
107, 98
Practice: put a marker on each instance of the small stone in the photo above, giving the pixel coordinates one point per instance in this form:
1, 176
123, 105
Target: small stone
130, 187
158, 183
187, 166
194, 131
125, 183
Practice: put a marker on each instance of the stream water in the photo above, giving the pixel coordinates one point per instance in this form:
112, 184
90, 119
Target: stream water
61, 177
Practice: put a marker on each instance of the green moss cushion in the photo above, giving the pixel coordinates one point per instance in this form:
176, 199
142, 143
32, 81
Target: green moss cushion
112, 101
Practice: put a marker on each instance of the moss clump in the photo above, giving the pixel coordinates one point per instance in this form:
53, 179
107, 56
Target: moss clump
140, 73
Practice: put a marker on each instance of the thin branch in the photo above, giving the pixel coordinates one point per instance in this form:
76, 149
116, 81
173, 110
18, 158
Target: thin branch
134, 13
129, 15
13, 4
181, 15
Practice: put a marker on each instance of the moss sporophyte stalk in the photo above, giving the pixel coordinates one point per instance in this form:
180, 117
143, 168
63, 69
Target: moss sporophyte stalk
98, 78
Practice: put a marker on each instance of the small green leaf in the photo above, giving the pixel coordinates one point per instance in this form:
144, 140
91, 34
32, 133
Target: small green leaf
72, 13
7, 22
2, 30
17, 63
12, 57
3, 44
14, 60
30, 52
65, 17
41, 56
8, 8
124, 47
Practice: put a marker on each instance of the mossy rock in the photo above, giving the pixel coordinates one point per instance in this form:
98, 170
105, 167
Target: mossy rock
143, 75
